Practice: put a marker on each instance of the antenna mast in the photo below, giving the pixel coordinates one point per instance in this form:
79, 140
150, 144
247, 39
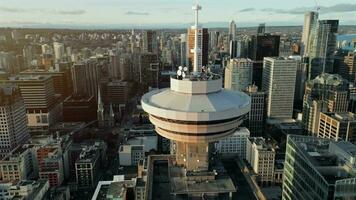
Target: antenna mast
196, 49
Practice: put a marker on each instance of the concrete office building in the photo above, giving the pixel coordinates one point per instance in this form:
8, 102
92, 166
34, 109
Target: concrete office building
238, 74
256, 117
13, 130
325, 93
20, 164
87, 168
34, 190
279, 75
337, 126
43, 108
350, 62
261, 157
317, 168
235, 145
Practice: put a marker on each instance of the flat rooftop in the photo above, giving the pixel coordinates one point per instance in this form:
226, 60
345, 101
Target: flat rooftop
330, 165
166, 181
29, 77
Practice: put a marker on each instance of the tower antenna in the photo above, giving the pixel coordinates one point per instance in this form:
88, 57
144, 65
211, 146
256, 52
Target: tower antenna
196, 49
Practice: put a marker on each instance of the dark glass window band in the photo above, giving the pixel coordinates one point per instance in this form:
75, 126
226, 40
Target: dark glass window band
200, 122
198, 134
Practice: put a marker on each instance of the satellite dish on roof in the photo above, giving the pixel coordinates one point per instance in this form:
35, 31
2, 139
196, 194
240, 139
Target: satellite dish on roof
180, 68
179, 73
184, 74
185, 69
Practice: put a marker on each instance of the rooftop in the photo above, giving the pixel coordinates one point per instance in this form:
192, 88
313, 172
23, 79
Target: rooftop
29, 77
326, 157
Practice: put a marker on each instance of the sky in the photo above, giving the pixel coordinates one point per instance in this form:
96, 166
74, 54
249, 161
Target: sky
167, 12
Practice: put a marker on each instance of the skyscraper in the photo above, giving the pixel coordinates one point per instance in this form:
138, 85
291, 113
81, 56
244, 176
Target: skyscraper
58, 49
278, 82
43, 109
322, 47
261, 46
310, 22
194, 112
13, 131
261, 29
256, 117
325, 93
232, 31
150, 43
183, 50
350, 62
316, 168
203, 44
238, 74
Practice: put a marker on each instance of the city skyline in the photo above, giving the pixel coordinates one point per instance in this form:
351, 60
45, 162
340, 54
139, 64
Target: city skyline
121, 14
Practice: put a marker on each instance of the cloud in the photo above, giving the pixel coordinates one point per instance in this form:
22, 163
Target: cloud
70, 12
338, 8
137, 13
11, 10
247, 10
40, 10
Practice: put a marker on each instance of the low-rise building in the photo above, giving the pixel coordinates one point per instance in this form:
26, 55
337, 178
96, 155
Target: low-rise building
235, 145
32, 190
261, 157
20, 164
87, 168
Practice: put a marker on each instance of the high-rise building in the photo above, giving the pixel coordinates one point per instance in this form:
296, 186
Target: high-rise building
86, 77
317, 168
261, 46
59, 52
13, 129
149, 68
150, 43
114, 65
322, 47
310, 22
62, 80
125, 67
261, 29
261, 156
326, 93
232, 40
238, 74
203, 44
337, 126
350, 62
42, 106
183, 50
256, 117
192, 113
232, 31
79, 83
278, 82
